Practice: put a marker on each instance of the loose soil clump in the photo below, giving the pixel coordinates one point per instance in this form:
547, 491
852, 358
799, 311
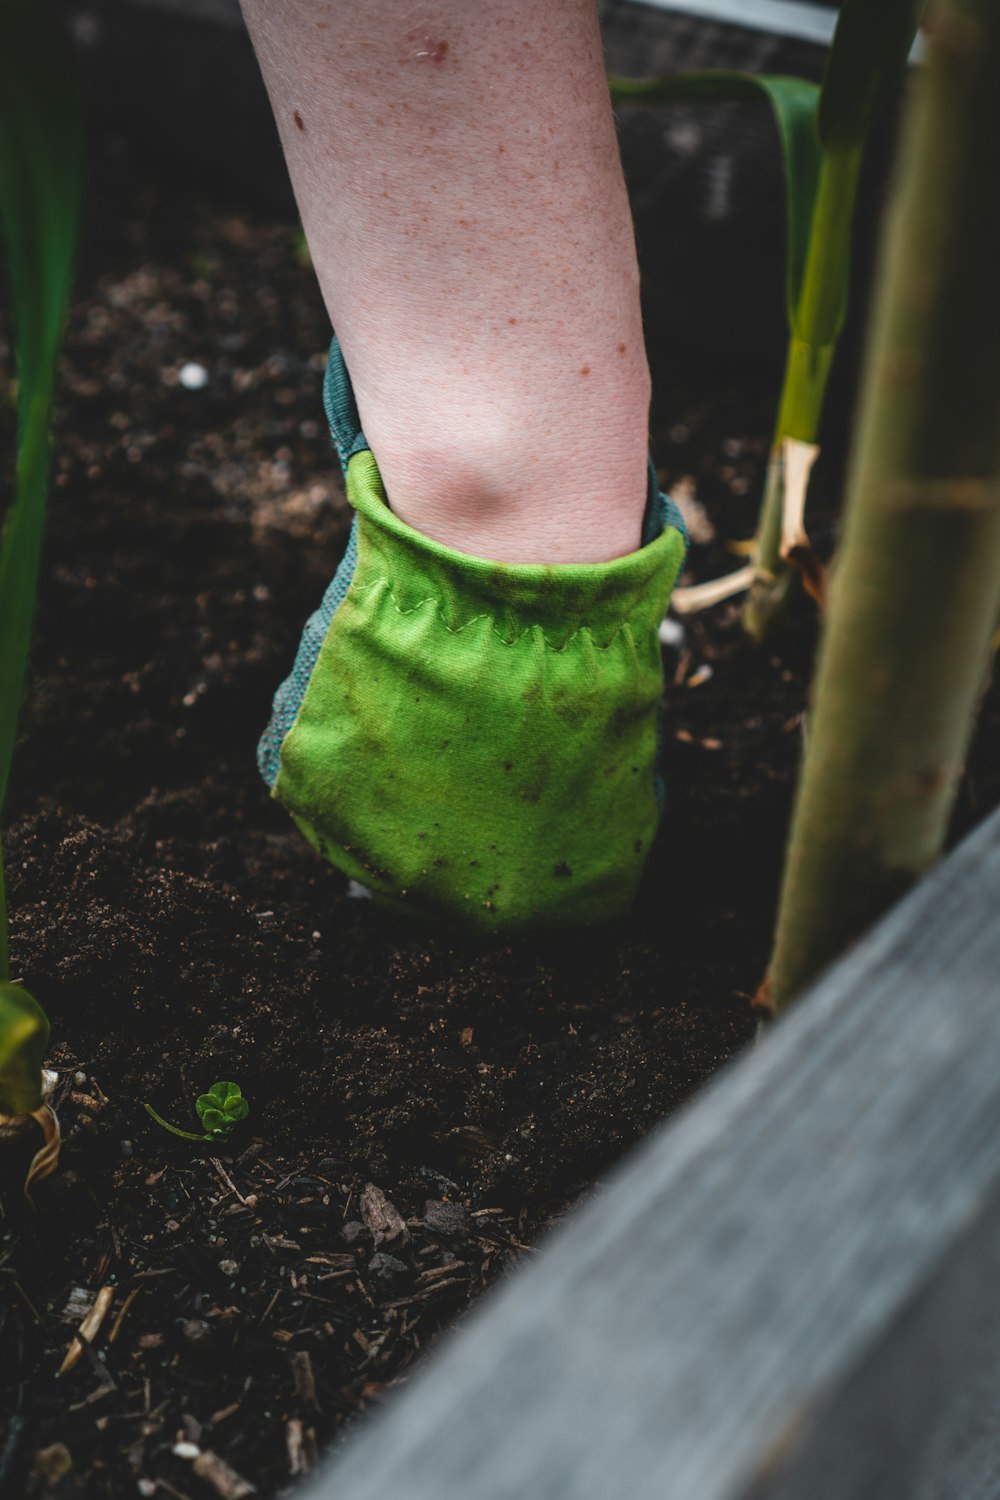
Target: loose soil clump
423, 1107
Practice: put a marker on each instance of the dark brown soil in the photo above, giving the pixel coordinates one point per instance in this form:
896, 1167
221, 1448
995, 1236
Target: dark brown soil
178, 930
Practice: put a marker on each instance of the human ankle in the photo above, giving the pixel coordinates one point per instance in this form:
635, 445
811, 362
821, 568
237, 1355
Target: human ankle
535, 487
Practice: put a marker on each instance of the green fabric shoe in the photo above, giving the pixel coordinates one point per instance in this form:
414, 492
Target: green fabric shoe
475, 740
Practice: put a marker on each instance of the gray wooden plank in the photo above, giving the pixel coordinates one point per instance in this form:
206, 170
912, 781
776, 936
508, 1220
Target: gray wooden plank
796, 19
791, 18
735, 1312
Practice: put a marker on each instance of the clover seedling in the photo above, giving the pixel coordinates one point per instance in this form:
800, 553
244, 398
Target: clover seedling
218, 1110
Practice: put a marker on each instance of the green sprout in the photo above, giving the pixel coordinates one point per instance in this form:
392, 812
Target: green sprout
219, 1110
822, 133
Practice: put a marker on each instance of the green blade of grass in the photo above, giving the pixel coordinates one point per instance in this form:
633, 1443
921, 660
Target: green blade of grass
41, 173
40, 187
794, 104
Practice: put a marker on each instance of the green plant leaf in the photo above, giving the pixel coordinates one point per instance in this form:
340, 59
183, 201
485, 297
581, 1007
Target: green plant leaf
24, 1036
40, 188
864, 66
221, 1108
794, 104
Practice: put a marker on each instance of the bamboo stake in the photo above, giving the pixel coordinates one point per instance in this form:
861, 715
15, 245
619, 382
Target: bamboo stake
917, 589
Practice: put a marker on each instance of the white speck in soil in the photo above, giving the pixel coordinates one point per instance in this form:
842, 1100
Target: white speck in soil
193, 377
672, 633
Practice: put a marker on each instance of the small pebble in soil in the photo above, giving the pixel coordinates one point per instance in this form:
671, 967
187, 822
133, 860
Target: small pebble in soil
444, 1218
193, 377
229, 1267
386, 1268
355, 1233
672, 633
186, 1450
79, 1079
127, 1148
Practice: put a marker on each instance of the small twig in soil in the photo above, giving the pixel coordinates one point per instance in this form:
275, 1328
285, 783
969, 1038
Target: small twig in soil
171, 1489
89, 1327
301, 1444
119, 1320
222, 1478
305, 1380
270, 1306
225, 1413
106, 1383
30, 1305
230, 1184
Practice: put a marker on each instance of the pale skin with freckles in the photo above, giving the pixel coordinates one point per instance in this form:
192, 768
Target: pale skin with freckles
458, 177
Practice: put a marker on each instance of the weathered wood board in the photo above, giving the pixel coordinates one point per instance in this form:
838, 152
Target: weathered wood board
790, 1291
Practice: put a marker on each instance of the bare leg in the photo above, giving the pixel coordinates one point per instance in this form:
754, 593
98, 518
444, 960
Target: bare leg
458, 178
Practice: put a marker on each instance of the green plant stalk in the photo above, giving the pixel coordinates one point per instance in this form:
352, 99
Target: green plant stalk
916, 596
20, 559
40, 189
22, 541
185, 1135
816, 324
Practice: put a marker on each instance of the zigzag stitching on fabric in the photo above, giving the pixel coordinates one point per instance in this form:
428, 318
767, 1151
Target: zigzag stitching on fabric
625, 630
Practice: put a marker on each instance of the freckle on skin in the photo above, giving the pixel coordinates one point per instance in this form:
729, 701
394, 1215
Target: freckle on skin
621, 348
584, 369
298, 120
512, 321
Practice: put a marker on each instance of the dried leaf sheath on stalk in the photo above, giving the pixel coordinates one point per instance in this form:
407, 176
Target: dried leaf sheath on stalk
917, 589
